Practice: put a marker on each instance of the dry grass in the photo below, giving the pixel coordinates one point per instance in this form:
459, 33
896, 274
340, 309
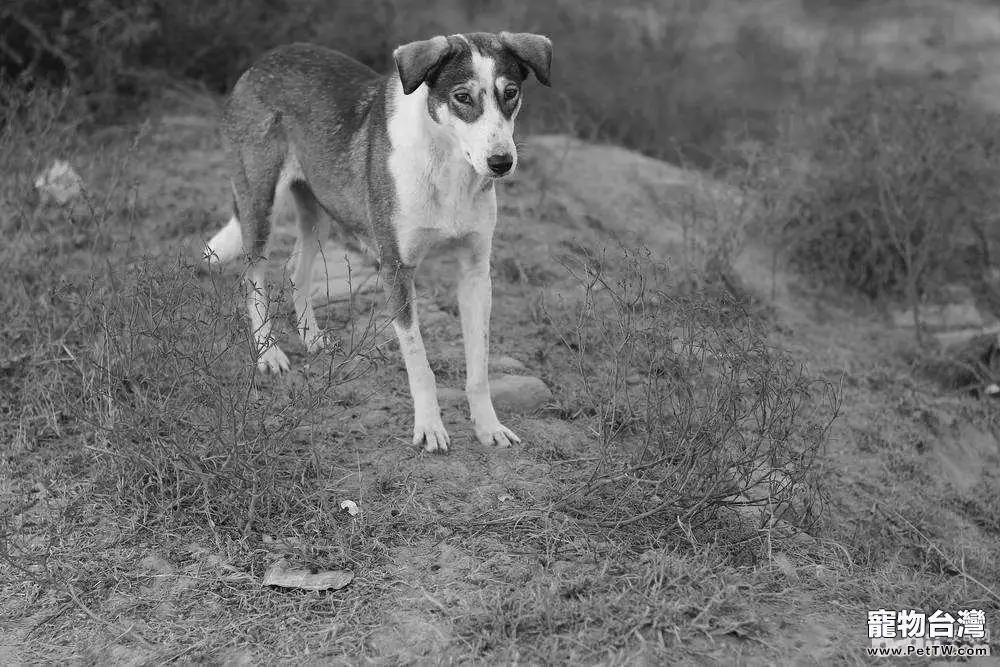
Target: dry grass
152, 478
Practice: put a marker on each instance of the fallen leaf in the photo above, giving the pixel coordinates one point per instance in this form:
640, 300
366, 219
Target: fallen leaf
280, 574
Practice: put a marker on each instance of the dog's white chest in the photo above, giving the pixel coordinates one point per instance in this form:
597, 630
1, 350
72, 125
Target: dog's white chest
438, 201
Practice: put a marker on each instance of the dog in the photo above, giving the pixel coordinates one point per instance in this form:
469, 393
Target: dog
403, 164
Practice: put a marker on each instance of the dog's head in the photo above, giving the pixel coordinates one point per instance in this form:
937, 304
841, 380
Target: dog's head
474, 89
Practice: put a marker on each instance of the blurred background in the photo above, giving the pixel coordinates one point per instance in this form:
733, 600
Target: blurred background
807, 101
671, 78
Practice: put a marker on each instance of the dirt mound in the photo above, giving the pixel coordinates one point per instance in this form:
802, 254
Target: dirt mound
617, 191
612, 194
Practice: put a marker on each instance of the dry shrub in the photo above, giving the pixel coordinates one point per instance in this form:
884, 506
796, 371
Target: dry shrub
695, 412
177, 414
900, 195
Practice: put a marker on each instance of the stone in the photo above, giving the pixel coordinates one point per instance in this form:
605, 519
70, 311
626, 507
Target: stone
519, 393
511, 393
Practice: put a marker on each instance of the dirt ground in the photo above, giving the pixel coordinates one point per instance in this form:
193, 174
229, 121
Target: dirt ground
456, 558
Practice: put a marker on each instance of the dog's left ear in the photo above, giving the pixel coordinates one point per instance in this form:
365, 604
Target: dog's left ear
535, 51
419, 61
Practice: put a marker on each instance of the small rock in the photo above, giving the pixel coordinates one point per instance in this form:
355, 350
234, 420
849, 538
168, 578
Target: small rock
519, 393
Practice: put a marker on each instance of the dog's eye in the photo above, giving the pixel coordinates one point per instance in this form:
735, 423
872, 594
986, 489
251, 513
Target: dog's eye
463, 97
510, 93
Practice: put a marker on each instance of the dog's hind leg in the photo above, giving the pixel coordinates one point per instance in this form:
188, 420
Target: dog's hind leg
256, 170
308, 244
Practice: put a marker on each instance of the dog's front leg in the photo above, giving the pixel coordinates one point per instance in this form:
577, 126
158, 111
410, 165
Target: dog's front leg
427, 425
475, 297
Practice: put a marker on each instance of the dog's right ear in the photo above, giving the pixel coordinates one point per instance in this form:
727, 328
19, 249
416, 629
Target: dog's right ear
418, 61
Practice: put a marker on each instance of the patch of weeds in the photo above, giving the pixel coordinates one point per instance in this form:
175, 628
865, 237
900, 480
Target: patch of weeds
179, 417
695, 415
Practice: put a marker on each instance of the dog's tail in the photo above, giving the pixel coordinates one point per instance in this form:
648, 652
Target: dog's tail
226, 245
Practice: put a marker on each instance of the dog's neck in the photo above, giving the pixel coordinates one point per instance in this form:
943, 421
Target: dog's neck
441, 151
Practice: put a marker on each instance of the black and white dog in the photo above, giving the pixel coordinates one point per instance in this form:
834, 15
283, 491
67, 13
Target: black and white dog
402, 164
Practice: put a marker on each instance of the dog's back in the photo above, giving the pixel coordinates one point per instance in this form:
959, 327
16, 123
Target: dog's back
301, 115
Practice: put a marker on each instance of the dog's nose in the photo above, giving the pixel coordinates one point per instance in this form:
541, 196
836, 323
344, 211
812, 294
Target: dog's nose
500, 164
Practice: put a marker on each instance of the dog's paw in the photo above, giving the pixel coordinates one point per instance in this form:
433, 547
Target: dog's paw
432, 434
272, 361
497, 434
